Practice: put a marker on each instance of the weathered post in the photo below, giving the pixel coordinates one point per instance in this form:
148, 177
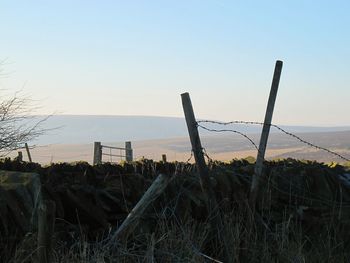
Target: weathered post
97, 153
46, 225
164, 158
28, 152
20, 156
257, 180
134, 217
211, 203
128, 152
198, 150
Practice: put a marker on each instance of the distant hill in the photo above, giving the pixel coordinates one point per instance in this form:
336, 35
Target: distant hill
78, 129
88, 128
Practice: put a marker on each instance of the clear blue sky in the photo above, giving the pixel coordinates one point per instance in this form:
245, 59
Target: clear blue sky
137, 57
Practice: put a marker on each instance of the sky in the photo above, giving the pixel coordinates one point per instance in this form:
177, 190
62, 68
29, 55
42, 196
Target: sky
137, 57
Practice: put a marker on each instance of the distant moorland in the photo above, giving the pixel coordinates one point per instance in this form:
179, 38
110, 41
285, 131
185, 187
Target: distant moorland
153, 136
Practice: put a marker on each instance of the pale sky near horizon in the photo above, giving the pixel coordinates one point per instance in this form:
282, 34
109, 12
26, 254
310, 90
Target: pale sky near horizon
137, 57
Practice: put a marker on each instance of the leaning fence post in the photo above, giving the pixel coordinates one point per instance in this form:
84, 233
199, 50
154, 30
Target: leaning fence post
197, 149
216, 220
128, 152
28, 152
256, 181
46, 225
97, 153
134, 217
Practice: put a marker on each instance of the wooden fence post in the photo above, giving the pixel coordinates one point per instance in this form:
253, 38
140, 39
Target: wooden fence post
257, 180
197, 149
46, 225
97, 153
164, 158
133, 219
211, 203
28, 152
128, 152
20, 156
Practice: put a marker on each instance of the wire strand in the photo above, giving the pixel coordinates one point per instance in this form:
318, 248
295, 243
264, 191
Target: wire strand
261, 123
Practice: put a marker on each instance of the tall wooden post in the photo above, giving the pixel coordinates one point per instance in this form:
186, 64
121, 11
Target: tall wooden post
197, 149
28, 152
46, 225
257, 180
212, 206
97, 153
128, 152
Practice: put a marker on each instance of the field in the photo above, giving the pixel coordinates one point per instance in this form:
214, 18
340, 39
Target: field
221, 147
301, 215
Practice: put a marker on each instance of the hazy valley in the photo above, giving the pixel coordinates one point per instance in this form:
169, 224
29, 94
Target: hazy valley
72, 137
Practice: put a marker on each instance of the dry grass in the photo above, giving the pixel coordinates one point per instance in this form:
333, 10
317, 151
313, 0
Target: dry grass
276, 234
190, 241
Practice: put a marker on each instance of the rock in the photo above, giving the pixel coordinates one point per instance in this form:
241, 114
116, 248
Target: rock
20, 194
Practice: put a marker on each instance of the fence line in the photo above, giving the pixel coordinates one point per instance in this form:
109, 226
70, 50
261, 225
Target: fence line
261, 123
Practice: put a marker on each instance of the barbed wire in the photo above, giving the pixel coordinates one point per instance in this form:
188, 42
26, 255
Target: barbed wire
210, 160
229, 130
189, 159
261, 123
